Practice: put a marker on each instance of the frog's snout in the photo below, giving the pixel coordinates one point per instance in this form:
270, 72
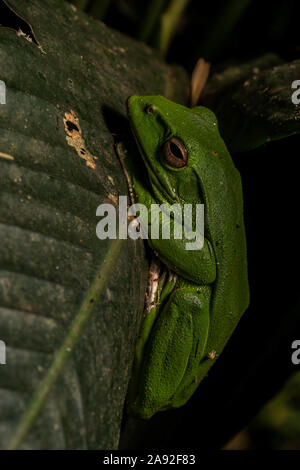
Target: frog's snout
142, 105
132, 99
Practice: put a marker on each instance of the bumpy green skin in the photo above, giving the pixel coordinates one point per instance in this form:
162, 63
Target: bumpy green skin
193, 324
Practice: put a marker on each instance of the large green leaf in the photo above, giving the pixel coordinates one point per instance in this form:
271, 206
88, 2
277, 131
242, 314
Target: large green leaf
253, 102
67, 81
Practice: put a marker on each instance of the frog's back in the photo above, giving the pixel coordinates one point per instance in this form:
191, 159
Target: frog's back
223, 199
231, 291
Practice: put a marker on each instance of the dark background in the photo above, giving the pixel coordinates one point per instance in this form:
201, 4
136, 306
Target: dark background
253, 28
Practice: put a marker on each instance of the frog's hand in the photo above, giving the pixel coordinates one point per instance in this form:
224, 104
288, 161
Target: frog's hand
192, 259
173, 352
198, 266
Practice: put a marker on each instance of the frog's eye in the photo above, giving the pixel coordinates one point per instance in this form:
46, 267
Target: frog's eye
175, 152
150, 110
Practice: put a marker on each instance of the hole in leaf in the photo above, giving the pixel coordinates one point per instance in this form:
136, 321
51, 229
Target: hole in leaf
10, 19
71, 126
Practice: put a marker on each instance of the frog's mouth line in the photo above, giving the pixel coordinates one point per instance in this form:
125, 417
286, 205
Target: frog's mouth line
161, 192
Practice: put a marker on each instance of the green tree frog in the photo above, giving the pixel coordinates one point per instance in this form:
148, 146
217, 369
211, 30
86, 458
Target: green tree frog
195, 298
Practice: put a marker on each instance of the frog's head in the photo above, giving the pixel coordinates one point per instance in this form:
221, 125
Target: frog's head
175, 142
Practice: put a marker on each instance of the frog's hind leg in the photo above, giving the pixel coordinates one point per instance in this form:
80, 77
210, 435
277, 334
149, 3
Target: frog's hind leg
161, 282
173, 351
200, 308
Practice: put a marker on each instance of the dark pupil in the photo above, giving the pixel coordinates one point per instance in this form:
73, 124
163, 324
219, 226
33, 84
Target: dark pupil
175, 150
